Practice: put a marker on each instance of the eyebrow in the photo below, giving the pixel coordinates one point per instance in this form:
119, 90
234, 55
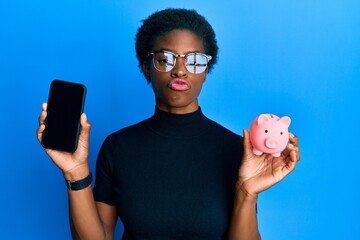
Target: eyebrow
169, 50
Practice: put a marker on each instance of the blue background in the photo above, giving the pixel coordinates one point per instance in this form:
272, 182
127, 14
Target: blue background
295, 58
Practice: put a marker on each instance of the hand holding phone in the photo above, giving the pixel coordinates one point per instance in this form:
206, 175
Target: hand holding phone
62, 124
74, 165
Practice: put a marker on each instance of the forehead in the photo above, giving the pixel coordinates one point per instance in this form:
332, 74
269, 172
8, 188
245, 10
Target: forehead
179, 41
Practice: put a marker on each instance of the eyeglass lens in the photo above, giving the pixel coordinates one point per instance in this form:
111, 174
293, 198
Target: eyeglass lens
194, 62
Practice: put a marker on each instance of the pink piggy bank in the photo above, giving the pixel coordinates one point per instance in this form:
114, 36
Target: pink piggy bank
269, 134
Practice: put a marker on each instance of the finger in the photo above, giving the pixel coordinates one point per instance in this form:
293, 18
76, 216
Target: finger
291, 158
294, 152
39, 132
293, 139
41, 120
294, 156
246, 143
290, 165
42, 117
44, 106
43, 114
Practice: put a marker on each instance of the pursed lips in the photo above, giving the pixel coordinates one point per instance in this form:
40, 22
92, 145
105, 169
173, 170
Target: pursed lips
179, 84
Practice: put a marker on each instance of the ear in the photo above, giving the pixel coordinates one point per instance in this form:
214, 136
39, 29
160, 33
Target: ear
146, 70
286, 120
262, 118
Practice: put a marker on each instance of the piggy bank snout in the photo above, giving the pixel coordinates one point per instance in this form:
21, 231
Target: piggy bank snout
271, 142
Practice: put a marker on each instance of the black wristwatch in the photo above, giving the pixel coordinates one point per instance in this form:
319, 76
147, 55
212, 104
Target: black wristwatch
78, 185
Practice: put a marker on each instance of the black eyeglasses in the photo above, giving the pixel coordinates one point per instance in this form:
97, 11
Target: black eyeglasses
164, 61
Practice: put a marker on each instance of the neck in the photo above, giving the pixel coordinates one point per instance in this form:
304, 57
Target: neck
194, 106
179, 125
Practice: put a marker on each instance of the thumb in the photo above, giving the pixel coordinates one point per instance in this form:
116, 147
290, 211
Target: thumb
85, 129
246, 143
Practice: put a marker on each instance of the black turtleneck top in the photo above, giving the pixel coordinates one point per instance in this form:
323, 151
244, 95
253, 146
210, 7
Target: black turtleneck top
170, 176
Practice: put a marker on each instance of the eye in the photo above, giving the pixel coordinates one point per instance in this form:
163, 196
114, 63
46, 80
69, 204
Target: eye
196, 59
162, 61
266, 131
281, 133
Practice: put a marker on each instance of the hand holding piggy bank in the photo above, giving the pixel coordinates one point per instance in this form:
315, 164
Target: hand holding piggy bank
269, 134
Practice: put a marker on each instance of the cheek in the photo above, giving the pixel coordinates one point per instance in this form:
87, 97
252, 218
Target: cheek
158, 85
154, 78
199, 84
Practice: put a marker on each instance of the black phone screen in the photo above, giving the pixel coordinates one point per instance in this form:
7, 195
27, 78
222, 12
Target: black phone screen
62, 124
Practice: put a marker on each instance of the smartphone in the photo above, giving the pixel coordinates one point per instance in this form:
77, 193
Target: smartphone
62, 125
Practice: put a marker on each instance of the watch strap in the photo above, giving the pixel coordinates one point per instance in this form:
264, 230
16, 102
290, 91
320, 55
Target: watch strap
80, 184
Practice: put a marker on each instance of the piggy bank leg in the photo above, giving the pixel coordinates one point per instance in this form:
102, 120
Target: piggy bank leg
257, 152
276, 154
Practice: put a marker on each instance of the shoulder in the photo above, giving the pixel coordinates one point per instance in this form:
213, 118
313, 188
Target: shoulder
228, 140
129, 130
229, 143
125, 135
223, 131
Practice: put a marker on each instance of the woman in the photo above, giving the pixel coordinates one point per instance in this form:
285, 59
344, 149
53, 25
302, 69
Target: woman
177, 174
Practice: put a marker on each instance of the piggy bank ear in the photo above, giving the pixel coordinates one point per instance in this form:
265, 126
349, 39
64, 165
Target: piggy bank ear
286, 120
262, 118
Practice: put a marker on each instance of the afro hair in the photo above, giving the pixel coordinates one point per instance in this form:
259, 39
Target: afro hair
164, 21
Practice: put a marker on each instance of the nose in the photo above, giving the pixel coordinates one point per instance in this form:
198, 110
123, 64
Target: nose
179, 69
271, 143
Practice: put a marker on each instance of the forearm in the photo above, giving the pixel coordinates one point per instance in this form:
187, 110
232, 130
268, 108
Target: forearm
244, 224
84, 218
